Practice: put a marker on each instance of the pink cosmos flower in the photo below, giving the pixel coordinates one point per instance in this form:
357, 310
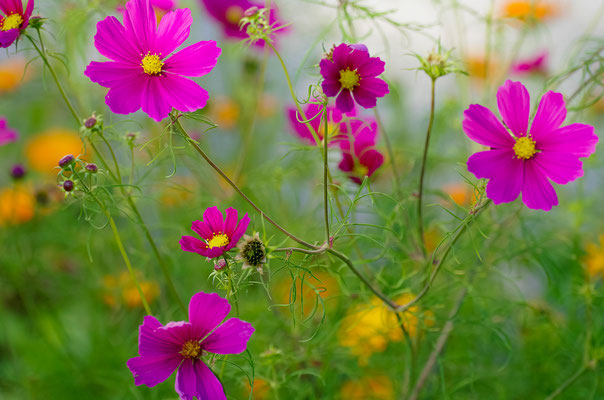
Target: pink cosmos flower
525, 161
220, 234
7, 135
143, 73
14, 20
229, 12
160, 6
181, 345
536, 64
335, 125
364, 159
349, 71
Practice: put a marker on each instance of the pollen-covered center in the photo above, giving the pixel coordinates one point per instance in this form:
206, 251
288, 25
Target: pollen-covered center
152, 64
525, 147
361, 170
218, 240
349, 79
234, 14
191, 349
12, 21
332, 130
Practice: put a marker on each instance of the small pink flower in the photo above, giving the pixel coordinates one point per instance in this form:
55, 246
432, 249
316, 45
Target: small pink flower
7, 135
350, 71
525, 161
536, 64
220, 234
143, 72
335, 123
14, 20
182, 345
364, 159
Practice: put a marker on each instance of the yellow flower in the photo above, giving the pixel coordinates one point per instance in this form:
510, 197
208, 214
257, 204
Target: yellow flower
462, 194
224, 112
44, 151
261, 389
432, 238
123, 287
477, 68
368, 388
177, 191
17, 205
13, 74
529, 10
368, 328
594, 260
322, 285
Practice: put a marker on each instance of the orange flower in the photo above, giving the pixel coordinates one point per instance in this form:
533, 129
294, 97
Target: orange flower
17, 205
432, 238
477, 68
13, 74
368, 388
594, 260
261, 389
44, 151
224, 112
529, 10
307, 294
177, 191
462, 194
124, 285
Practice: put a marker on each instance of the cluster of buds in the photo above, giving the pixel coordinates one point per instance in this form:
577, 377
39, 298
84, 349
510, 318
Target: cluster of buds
92, 124
256, 22
76, 174
438, 64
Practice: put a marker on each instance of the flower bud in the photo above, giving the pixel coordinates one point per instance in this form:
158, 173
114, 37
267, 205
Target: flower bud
251, 252
66, 161
220, 264
68, 185
250, 12
92, 168
18, 171
90, 122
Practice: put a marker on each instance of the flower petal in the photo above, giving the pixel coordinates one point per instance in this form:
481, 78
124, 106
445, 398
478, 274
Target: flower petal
172, 31
206, 311
503, 170
126, 98
140, 21
112, 41
202, 229
11, 6
372, 159
152, 371
230, 221
213, 217
514, 105
193, 245
238, 233
110, 73
183, 94
577, 139
154, 98
561, 168
8, 37
483, 127
537, 192
152, 345
372, 67
550, 115
344, 102
366, 94
195, 379
195, 60
229, 338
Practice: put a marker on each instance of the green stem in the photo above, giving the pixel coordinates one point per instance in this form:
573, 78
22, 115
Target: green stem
231, 292
565, 385
325, 173
397, 178
420, 220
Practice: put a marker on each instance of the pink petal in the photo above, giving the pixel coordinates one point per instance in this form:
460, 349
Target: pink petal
537, 192
483, 127
193, 245
202, 229
8, 37
183, 94
347, 163
504, 171
11, 6
213, 217
195, 379
111, 73
206, 311
112, 41
195, 60
230, 222
126, 98
372, 67
366, 94
140, 21
152, 371
238, 233
172, 31
329, 70
550, 115
229, 338
560, 167
150, 345
154, 98
577, 139
344, 102
514, 105
372, 159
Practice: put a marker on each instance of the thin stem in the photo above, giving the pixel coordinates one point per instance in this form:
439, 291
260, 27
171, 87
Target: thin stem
325, 173
115, 163
230, 290
420, 220
397, 178
568, 382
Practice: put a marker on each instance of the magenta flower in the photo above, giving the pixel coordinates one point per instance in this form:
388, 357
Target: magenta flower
14, 20
228, 13
219, 234
350, 71
7, 135
364, 159
181, 345
160, 6
335, 123
143, 74
536, 64
522, 160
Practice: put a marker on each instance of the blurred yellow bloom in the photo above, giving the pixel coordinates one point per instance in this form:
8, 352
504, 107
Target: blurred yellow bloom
368, 388
224, 112
594, 260
324, 286
432, 238
529, 10
17, 205
13, 74
178, 191
261, 389
122, 288
461, 193
368, 328
477, 68
44, 151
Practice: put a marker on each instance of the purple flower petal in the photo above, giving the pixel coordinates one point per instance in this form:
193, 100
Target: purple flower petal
504, 171
8, 37
550, 115
347, 163
172, 31
344, 101
183, 94
537, 192
111, 74
206, 311
329, 70
112, 41
577, 139
372, 159
152, 371
371, 68
366, 94
481, 125
213, 217
238, 233
514, 105
229, 338
193, 245
561, 168
195, 60
230, 221
195, 379
202, 229
126, 98
154, 99
149, 344
11, 6
140, 21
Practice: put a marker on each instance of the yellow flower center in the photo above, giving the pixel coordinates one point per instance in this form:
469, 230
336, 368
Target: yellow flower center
191, 349
349, 79
361, 170
12, 21
332, 129
525, 147
219, 240
234, 14
152, 64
